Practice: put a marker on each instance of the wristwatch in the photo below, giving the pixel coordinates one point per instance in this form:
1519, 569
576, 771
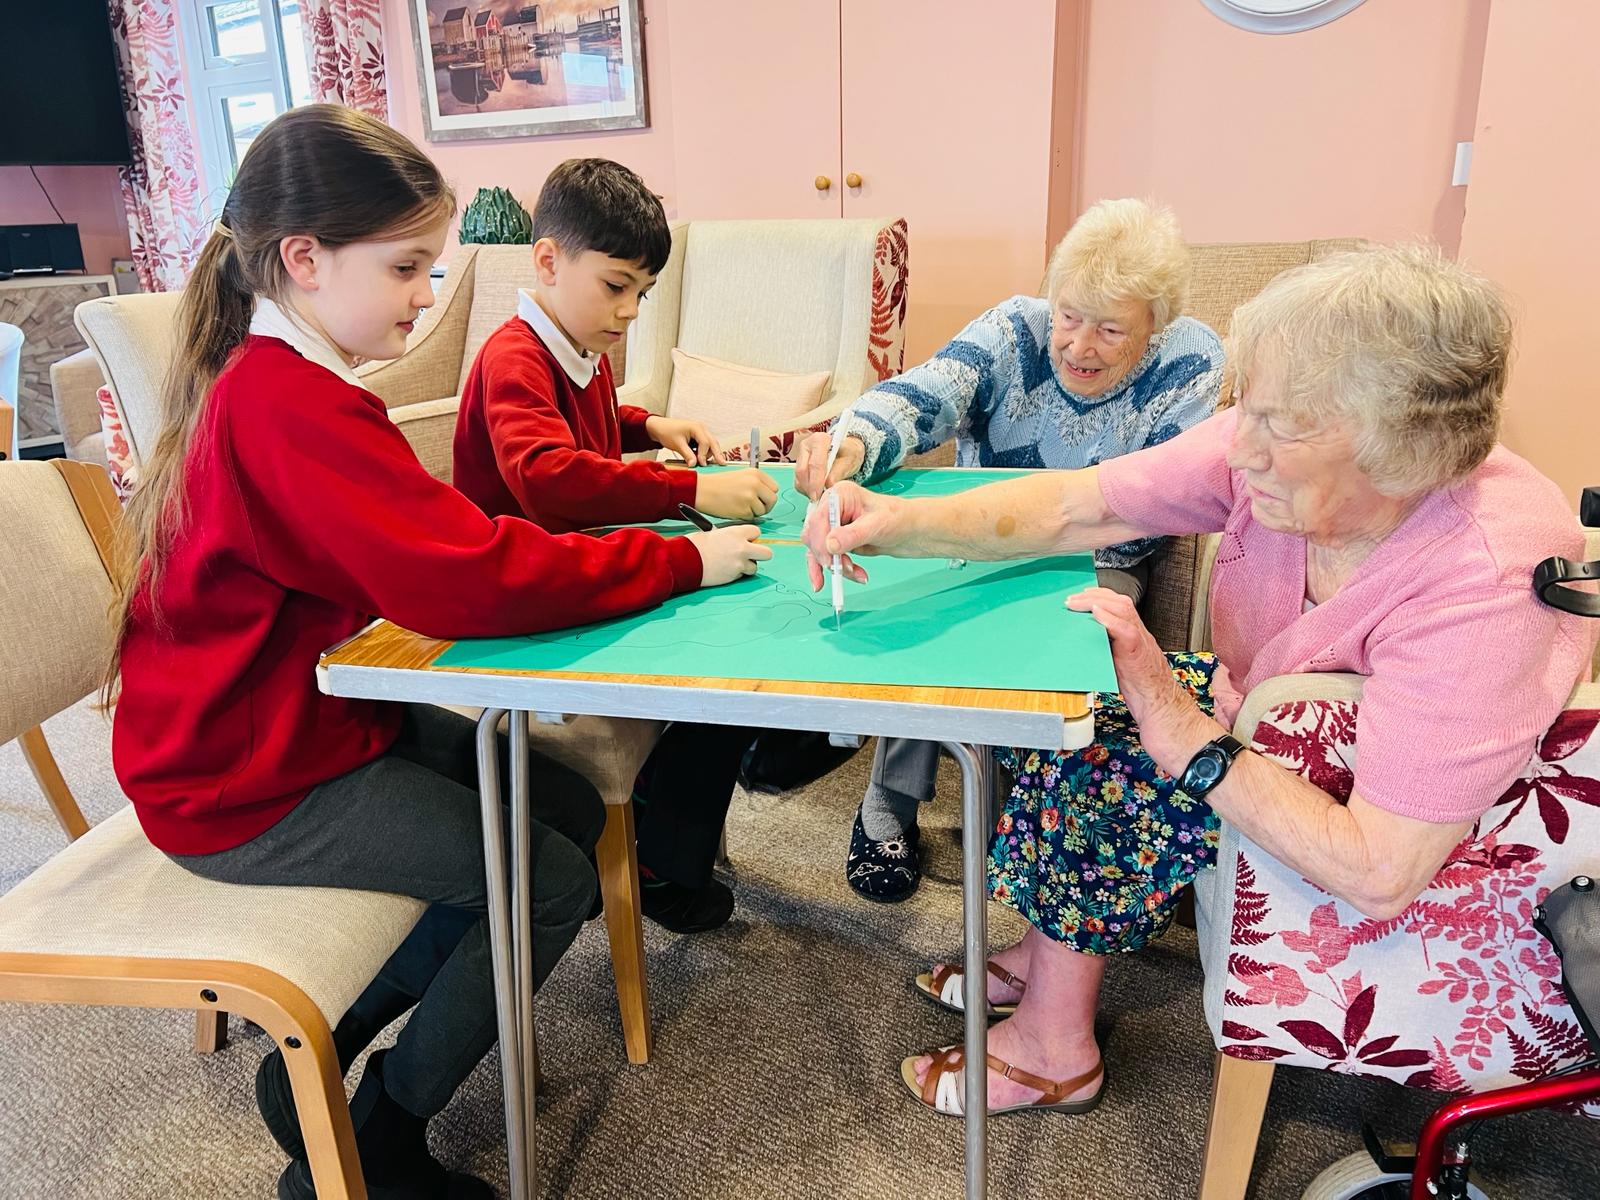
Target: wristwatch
1209, 764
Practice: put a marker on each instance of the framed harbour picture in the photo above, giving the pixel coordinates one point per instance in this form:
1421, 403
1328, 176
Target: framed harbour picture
503, 68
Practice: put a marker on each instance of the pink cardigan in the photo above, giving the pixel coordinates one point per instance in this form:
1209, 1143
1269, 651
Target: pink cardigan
1465, 667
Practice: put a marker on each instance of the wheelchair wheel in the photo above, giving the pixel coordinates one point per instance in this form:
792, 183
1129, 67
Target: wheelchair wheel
1357, 1177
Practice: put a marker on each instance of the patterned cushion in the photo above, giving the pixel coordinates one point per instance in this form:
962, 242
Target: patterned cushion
886, 337
1459, 992
778, 444
119, 455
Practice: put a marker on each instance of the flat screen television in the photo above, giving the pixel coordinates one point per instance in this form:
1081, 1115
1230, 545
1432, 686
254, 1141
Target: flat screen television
59, 97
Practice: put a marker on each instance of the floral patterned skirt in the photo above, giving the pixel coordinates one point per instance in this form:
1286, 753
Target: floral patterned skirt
1094, 846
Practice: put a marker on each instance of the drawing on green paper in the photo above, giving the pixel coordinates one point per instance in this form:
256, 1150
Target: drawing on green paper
788, 515
916, 623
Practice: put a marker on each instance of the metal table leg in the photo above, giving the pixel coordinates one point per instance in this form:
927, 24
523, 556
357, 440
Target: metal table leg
502, 945
976, 781
522, 932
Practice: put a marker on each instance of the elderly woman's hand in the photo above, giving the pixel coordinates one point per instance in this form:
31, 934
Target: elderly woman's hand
865, 522
1171, 725
813, 456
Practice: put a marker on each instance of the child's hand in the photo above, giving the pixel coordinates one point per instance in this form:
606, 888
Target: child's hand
728, 553
675, 435
813, 457
736, 495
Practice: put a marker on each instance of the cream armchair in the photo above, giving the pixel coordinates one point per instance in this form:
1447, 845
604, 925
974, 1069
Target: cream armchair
132, 339
75, 382
790, 296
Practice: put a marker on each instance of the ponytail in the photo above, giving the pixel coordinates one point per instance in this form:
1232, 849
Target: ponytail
322, 170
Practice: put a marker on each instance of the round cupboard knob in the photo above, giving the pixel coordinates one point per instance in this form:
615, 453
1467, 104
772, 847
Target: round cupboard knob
852, 180
823, 183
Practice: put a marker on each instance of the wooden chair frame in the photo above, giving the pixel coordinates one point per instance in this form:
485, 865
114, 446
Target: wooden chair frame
617, 857
97, 505
209, 988
213, 988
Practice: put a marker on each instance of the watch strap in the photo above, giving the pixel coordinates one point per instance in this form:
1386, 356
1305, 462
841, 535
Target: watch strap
1550, 579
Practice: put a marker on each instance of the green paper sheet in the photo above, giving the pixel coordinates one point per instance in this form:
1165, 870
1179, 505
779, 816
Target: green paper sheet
917, 622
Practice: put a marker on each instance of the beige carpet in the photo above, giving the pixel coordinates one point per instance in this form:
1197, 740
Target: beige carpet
775, 1070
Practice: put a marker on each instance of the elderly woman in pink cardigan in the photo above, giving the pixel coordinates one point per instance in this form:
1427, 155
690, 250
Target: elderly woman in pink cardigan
1370, 523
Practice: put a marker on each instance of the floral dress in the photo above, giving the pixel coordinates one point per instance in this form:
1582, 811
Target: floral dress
1093, 846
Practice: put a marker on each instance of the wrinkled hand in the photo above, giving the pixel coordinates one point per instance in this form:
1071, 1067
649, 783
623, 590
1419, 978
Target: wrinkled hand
866, 524
736, 495
1168, 718
813, 456
728, 553
675, 435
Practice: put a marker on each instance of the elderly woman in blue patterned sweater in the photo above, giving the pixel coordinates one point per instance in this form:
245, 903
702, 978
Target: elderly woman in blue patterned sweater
1103, 365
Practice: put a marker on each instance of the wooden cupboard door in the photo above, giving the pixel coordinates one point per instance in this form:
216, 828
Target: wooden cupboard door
755, 108
947, 121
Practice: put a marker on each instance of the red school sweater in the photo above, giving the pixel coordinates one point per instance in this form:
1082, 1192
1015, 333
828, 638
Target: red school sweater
530, 442
308, 514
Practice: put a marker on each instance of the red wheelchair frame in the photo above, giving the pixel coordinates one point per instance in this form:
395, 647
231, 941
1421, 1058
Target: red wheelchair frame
1442, 1154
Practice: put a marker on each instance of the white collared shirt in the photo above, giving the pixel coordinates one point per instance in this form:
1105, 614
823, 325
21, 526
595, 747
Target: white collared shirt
272, 320
578, 365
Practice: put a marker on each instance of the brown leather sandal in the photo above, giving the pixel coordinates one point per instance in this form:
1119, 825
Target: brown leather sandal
943, 1089
944, 986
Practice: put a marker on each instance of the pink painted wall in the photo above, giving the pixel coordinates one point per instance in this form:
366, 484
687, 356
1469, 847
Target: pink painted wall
521, 164
1529, 226
1346, 130
88, 196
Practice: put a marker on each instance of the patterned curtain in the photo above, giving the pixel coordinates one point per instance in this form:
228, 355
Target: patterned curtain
344, 44
161, 190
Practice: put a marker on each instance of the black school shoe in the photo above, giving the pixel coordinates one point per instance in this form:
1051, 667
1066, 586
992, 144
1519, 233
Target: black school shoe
275, 1099
393, 1145
886, 871
686, 910
781, 760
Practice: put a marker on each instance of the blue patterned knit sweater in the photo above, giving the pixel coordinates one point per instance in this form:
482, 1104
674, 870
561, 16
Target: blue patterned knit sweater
995, 390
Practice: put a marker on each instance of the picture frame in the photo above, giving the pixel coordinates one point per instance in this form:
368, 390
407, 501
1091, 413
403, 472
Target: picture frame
504, 68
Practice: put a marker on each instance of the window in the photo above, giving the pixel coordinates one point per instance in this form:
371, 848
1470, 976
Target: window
246, 64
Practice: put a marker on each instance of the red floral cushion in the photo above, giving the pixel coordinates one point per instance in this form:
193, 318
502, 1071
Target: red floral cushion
119, 455
886, 339
1459, 992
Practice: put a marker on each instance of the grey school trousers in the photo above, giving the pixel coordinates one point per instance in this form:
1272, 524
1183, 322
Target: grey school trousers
910, 767
409, 823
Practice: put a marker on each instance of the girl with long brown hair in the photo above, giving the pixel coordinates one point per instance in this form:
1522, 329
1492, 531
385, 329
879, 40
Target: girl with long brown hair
280, 511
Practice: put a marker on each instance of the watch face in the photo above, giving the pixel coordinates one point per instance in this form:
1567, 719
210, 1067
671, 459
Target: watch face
1207, 769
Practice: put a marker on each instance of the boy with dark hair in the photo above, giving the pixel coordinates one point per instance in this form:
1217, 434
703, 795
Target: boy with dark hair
540, 434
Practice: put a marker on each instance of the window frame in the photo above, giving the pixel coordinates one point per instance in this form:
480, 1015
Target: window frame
213, 78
